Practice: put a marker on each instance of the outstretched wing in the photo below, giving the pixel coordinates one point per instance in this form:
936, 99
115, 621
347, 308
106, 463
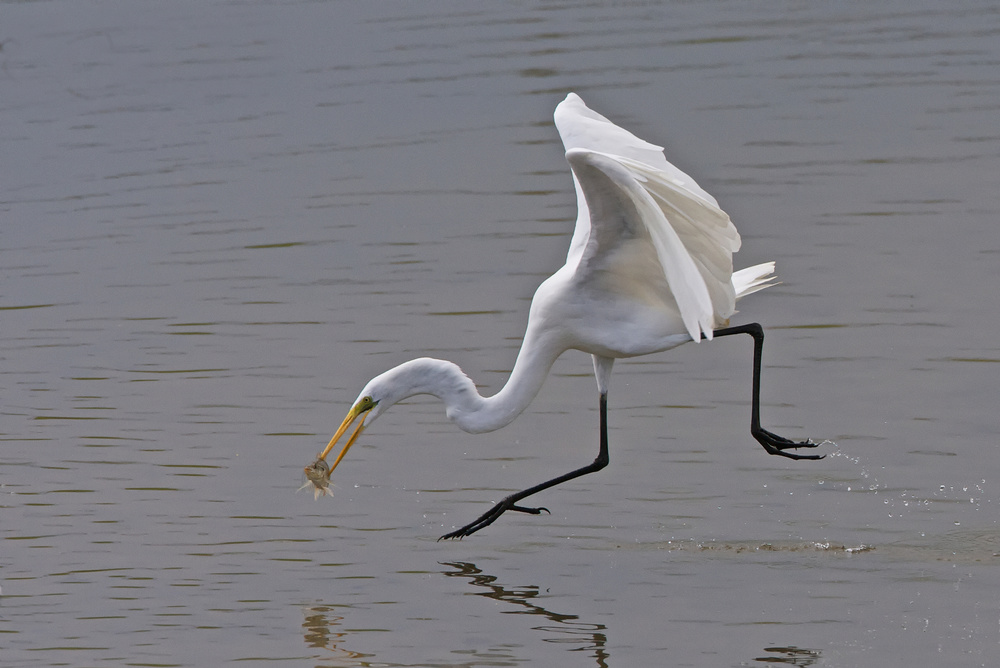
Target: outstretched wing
626, 189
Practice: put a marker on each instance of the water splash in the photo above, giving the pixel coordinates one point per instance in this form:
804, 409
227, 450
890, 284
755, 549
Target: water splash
870, 482
899, 502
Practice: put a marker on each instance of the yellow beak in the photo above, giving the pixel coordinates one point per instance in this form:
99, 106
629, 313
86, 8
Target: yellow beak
361, 408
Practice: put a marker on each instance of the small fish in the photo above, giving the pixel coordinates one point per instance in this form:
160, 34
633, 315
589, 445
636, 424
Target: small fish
318, 475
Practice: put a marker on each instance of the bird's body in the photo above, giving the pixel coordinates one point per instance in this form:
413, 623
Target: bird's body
557, 322
649, 268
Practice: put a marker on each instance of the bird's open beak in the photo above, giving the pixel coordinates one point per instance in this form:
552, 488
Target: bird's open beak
359, 409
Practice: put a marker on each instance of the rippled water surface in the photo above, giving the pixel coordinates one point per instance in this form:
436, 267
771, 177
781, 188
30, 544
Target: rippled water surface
218, 220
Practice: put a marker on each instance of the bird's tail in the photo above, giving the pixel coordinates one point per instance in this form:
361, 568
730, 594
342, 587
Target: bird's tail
750, 280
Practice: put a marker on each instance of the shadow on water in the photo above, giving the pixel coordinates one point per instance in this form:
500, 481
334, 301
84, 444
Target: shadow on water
566, 628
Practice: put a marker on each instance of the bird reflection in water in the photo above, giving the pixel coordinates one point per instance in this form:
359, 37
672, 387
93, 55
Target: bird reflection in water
792, 656
565, 628
320, 633
322, 621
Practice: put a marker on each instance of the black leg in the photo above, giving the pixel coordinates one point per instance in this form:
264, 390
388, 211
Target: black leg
510, 502
774, 444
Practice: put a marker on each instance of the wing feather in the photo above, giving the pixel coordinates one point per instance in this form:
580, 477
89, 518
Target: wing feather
621, 208
622, 182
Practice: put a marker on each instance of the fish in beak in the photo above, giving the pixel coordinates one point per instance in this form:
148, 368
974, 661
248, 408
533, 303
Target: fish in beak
318, 472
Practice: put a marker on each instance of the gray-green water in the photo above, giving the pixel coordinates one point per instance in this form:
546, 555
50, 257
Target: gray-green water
218, 220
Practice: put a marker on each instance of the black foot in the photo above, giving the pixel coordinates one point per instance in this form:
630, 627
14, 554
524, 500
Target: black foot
776, 445
490, 516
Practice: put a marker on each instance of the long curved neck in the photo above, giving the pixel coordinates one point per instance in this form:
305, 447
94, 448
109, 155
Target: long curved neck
537, 355
463, 404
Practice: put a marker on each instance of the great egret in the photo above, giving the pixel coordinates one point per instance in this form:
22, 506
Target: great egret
650, 267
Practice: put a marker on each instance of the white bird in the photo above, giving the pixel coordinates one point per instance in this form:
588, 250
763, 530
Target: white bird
649, 267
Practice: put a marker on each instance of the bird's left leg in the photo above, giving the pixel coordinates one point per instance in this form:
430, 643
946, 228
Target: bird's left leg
774, 444
510, 502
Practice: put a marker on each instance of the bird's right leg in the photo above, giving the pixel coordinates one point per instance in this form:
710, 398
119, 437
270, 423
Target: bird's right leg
510, 502
773, 443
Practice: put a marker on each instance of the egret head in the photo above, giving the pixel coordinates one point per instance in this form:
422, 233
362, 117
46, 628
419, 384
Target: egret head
380, 393
419, 376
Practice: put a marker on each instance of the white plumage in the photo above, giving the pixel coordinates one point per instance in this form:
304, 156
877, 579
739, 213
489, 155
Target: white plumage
650, 266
